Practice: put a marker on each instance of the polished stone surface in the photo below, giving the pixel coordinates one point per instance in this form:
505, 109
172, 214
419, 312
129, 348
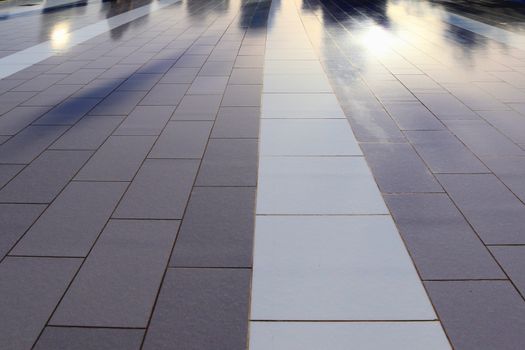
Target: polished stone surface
139, 140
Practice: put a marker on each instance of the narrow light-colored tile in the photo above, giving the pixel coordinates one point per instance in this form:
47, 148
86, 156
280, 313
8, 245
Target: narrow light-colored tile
317, 185
300, 106
307, 137
344, 336
334, 268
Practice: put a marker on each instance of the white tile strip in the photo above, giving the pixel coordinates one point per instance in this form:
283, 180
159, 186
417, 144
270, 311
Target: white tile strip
326, 248
34, 54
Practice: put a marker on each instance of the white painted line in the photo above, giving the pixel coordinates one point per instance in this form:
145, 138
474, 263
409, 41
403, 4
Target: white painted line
37, 53
326, 248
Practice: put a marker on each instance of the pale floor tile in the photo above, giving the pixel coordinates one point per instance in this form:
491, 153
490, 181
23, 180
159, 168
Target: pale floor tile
345, 336
317, 185
334, 268
301, 106
288, 67
307, 137
296, 83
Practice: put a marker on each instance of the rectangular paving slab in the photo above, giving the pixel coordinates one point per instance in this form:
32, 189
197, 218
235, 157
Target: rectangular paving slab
128, 260
89, 339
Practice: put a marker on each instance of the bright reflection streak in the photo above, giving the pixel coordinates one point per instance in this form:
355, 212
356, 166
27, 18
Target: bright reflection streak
60, 36
376, 39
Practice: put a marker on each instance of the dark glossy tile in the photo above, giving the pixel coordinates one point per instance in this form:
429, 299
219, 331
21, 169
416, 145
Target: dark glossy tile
88, 134
165, 95
160, 190
444, 153
118, 159
229, 162
198, 107
145, 120
68, 112
69, 338
439, 239
398, 168
29, 143
512, 260
119, 103
494, 212
140, 82
15, 219
44, 178
18, 118
479, 314
71, 224
217, 230
511, 171
182, 139
30, 289
201, 309
242, 95
237, 122
129, 259
413, 116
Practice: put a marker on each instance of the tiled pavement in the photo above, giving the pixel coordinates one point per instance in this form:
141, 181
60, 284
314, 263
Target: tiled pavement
133, 176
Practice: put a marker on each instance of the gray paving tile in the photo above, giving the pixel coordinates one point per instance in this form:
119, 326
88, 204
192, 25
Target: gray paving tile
98, 88
439, 239
198, 107
68, 112
391, 91
201, 309
444, 153
475, 98
30, 290
182, 139
246, 76
40, 82
398, 168
82, 76
73, 221
118, 159
208, 85
413, 116
229, 162
419, 82
511, 171
145, 120
480, 314
482, 139
237, 122
89, 133
157, 66
446, 106
249, 62
11, 99
129, 259
373, 125
509, 123
160, 190
217, 68
191, 61
119, 103
179, 75
18, 118
495, 213
242, 95
165, 95
71, 338
29, 143
140, 82
512, 259
8, 171
52, 96
217, 230
45, 177
15, 219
